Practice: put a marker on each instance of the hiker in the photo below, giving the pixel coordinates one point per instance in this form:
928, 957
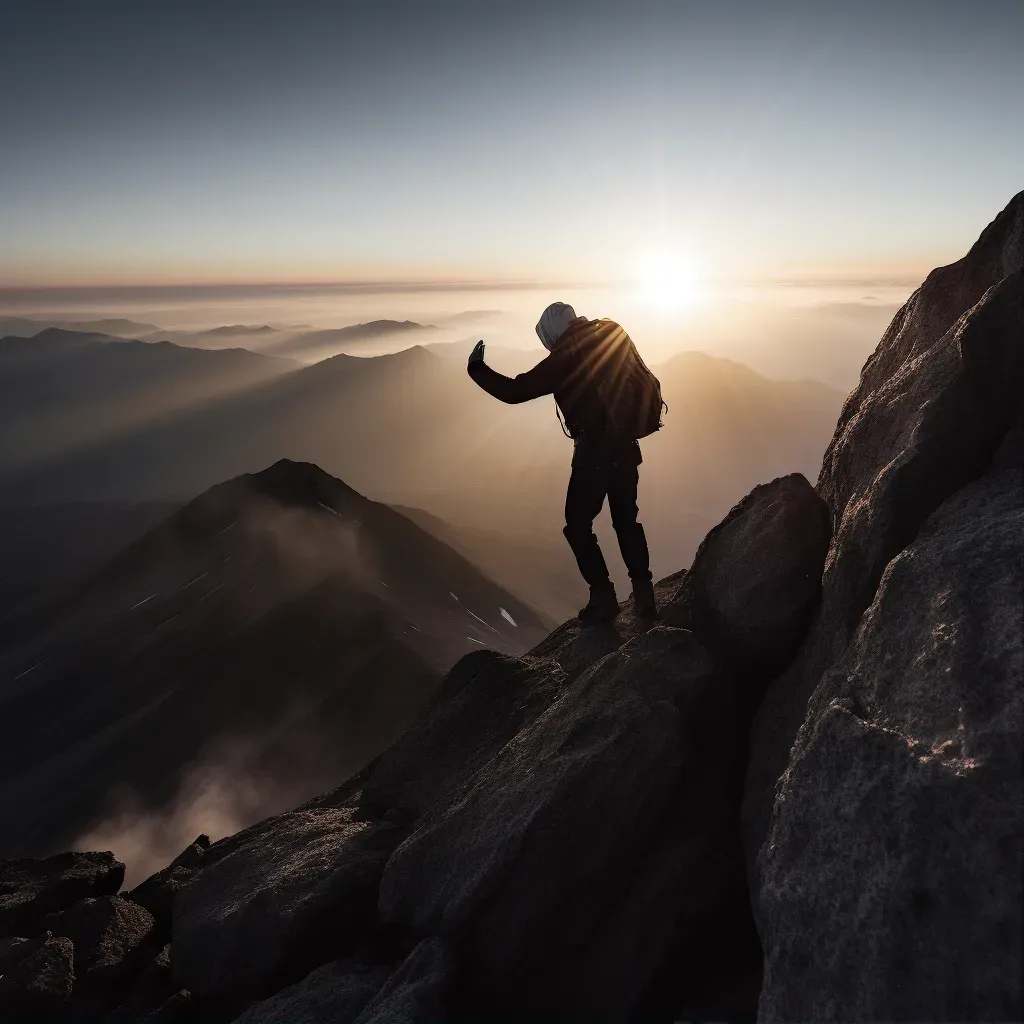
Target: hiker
585, 370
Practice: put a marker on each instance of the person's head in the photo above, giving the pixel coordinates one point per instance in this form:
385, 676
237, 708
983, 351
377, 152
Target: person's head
554, 322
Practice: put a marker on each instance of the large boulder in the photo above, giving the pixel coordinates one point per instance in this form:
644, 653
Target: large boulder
39, 986
756, 577
31, 888
565, 868
284, 896
337, 991
110, 934
892, 875
933, 406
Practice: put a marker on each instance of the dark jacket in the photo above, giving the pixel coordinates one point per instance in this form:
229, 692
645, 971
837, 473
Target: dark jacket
566, 374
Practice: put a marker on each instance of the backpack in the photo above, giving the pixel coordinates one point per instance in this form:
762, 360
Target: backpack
630, 393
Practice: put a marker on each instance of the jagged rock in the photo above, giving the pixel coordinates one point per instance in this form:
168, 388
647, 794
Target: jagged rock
174, 1010
566, 864
481, 704
30, 888
153, 987
934, 403
417, 991
284, 896
108, 933
892, 875
39, 986
756, 576
337, 991
157, 892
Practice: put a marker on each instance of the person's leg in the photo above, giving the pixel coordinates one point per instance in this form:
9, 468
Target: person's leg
622, 488
583, 500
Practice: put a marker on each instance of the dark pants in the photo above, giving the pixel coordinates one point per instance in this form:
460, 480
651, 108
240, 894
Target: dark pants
595, 475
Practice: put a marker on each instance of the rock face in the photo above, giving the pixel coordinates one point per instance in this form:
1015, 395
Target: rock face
893, 869
919, 481
756, 578
522, 865
295, 890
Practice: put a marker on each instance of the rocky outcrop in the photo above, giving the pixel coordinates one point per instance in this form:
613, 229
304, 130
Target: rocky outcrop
294, 891
157, 892
911, 479
30, 889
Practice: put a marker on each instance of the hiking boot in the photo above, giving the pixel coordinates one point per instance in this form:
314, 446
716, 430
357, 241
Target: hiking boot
602, 606
644, 606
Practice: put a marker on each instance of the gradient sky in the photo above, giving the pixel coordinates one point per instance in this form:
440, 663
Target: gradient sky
300, 140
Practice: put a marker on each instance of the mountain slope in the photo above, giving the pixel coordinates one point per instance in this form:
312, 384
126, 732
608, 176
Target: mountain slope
64, 389
342, 340
282, 614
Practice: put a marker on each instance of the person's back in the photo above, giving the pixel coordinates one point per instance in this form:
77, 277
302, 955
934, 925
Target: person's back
584, 371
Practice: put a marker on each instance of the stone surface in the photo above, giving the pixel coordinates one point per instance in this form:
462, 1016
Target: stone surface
335, 992
417, 991
892, 875
284, 896
608, 815
756, 577
157, 892
149, 991
32, 888
108, 932
38, 987
574, 647
934, 404
481, 704
174, 1010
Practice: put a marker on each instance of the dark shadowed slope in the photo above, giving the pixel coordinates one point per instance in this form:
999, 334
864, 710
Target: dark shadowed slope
43, 547
281, 614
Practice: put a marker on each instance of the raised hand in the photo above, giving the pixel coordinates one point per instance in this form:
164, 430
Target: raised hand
477, 355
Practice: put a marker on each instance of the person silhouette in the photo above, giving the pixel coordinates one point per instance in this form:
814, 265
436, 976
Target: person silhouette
583, 359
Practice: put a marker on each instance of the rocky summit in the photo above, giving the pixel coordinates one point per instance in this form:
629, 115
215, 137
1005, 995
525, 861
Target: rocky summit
797, 797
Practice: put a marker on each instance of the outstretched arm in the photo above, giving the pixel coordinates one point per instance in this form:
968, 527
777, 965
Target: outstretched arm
543, 379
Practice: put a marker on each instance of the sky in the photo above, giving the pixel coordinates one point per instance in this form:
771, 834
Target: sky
298, 140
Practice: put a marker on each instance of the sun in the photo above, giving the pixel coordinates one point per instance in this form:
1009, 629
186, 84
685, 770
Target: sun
669, 280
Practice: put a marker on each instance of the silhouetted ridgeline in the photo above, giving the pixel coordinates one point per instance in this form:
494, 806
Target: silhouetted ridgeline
812, 767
